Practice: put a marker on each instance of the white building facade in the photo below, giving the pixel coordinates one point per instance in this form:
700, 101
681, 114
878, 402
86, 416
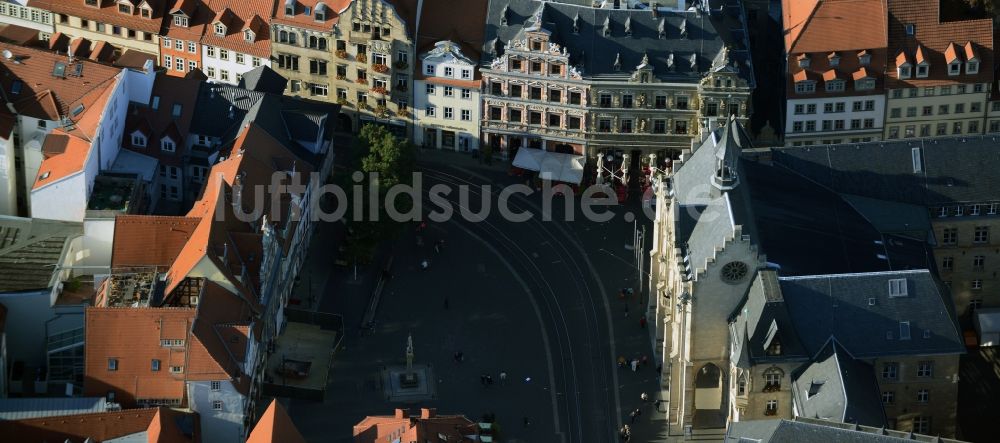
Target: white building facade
228, 66
446, 100
830, 120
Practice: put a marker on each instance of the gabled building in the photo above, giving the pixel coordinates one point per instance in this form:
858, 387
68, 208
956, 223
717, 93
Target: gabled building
861, 299
938, 73
275, 426
124, 24
40, 91
835, 73
586, 80
237, 39
305, 32
181, 51
446, 86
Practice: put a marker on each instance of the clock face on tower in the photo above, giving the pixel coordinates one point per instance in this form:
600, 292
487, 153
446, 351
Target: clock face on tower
734, 271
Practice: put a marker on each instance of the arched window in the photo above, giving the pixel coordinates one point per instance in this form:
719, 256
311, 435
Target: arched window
283, 36
322, 43
292, 38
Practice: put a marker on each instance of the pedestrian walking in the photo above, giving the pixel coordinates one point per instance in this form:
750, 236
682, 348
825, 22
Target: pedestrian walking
635, 364
621, 362
638, 412
635, 415
621, 294
489, 380
503, 378
642, 322
644, 397
446, 306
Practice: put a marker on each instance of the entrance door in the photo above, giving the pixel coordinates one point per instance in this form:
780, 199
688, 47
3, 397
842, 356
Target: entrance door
430, 138
708, 398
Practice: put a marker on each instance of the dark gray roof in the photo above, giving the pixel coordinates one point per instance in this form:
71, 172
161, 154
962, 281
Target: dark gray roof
29, 250
836, 386
591, 49
954, 169
804, 430
807, 229
763, 317
889, 216
24, 408
221, 108
264, 79
840, 306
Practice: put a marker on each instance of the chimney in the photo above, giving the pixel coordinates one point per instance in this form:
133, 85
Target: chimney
401, 413
428, 412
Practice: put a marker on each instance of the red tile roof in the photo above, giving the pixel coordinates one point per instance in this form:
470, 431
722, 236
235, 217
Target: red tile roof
132, 336
157, 123
238, 15
159, 424
71, 156
32, 71
931, 40
426, 426
107, 12
147, 240
833, 25
275, 426
299, 19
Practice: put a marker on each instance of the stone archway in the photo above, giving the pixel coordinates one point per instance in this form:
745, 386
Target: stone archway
708, 398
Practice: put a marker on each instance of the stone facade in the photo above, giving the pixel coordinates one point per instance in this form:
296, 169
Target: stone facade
373, 56
966, 253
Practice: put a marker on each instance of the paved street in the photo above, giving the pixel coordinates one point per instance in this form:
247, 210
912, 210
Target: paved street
537, 300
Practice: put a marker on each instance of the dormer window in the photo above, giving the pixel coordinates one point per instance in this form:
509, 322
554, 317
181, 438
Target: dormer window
864, 84
661, 29
835, 86
289, 8
93, 3
248, 35
503, 16
804, 61
320, 12
972, 67
904, 71
834, 60
628, 27
805, 87
220, 29
923, 70
576, 24
955, 68
145, 12
180, 20
138, 139
864, 58
167, 145
125, 8
607, 27
911, 29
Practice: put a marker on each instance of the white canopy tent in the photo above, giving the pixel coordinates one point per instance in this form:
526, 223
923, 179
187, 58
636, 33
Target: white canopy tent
566, 168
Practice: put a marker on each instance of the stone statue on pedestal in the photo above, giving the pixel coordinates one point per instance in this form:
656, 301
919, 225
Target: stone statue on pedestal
409, 352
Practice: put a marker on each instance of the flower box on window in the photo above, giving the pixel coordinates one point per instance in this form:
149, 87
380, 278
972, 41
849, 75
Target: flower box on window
381, 111
341, 77
770, 412
772, 387
341, 53
380, 68
361, 81
361, 58
343, 102
379, 90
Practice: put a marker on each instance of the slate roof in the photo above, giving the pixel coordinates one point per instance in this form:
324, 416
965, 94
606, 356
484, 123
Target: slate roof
950, 170
838, 387
822, 306
263, 79
762, 317
29, 250
791, 212
594, 52
805, 430
21, 408
215, 101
